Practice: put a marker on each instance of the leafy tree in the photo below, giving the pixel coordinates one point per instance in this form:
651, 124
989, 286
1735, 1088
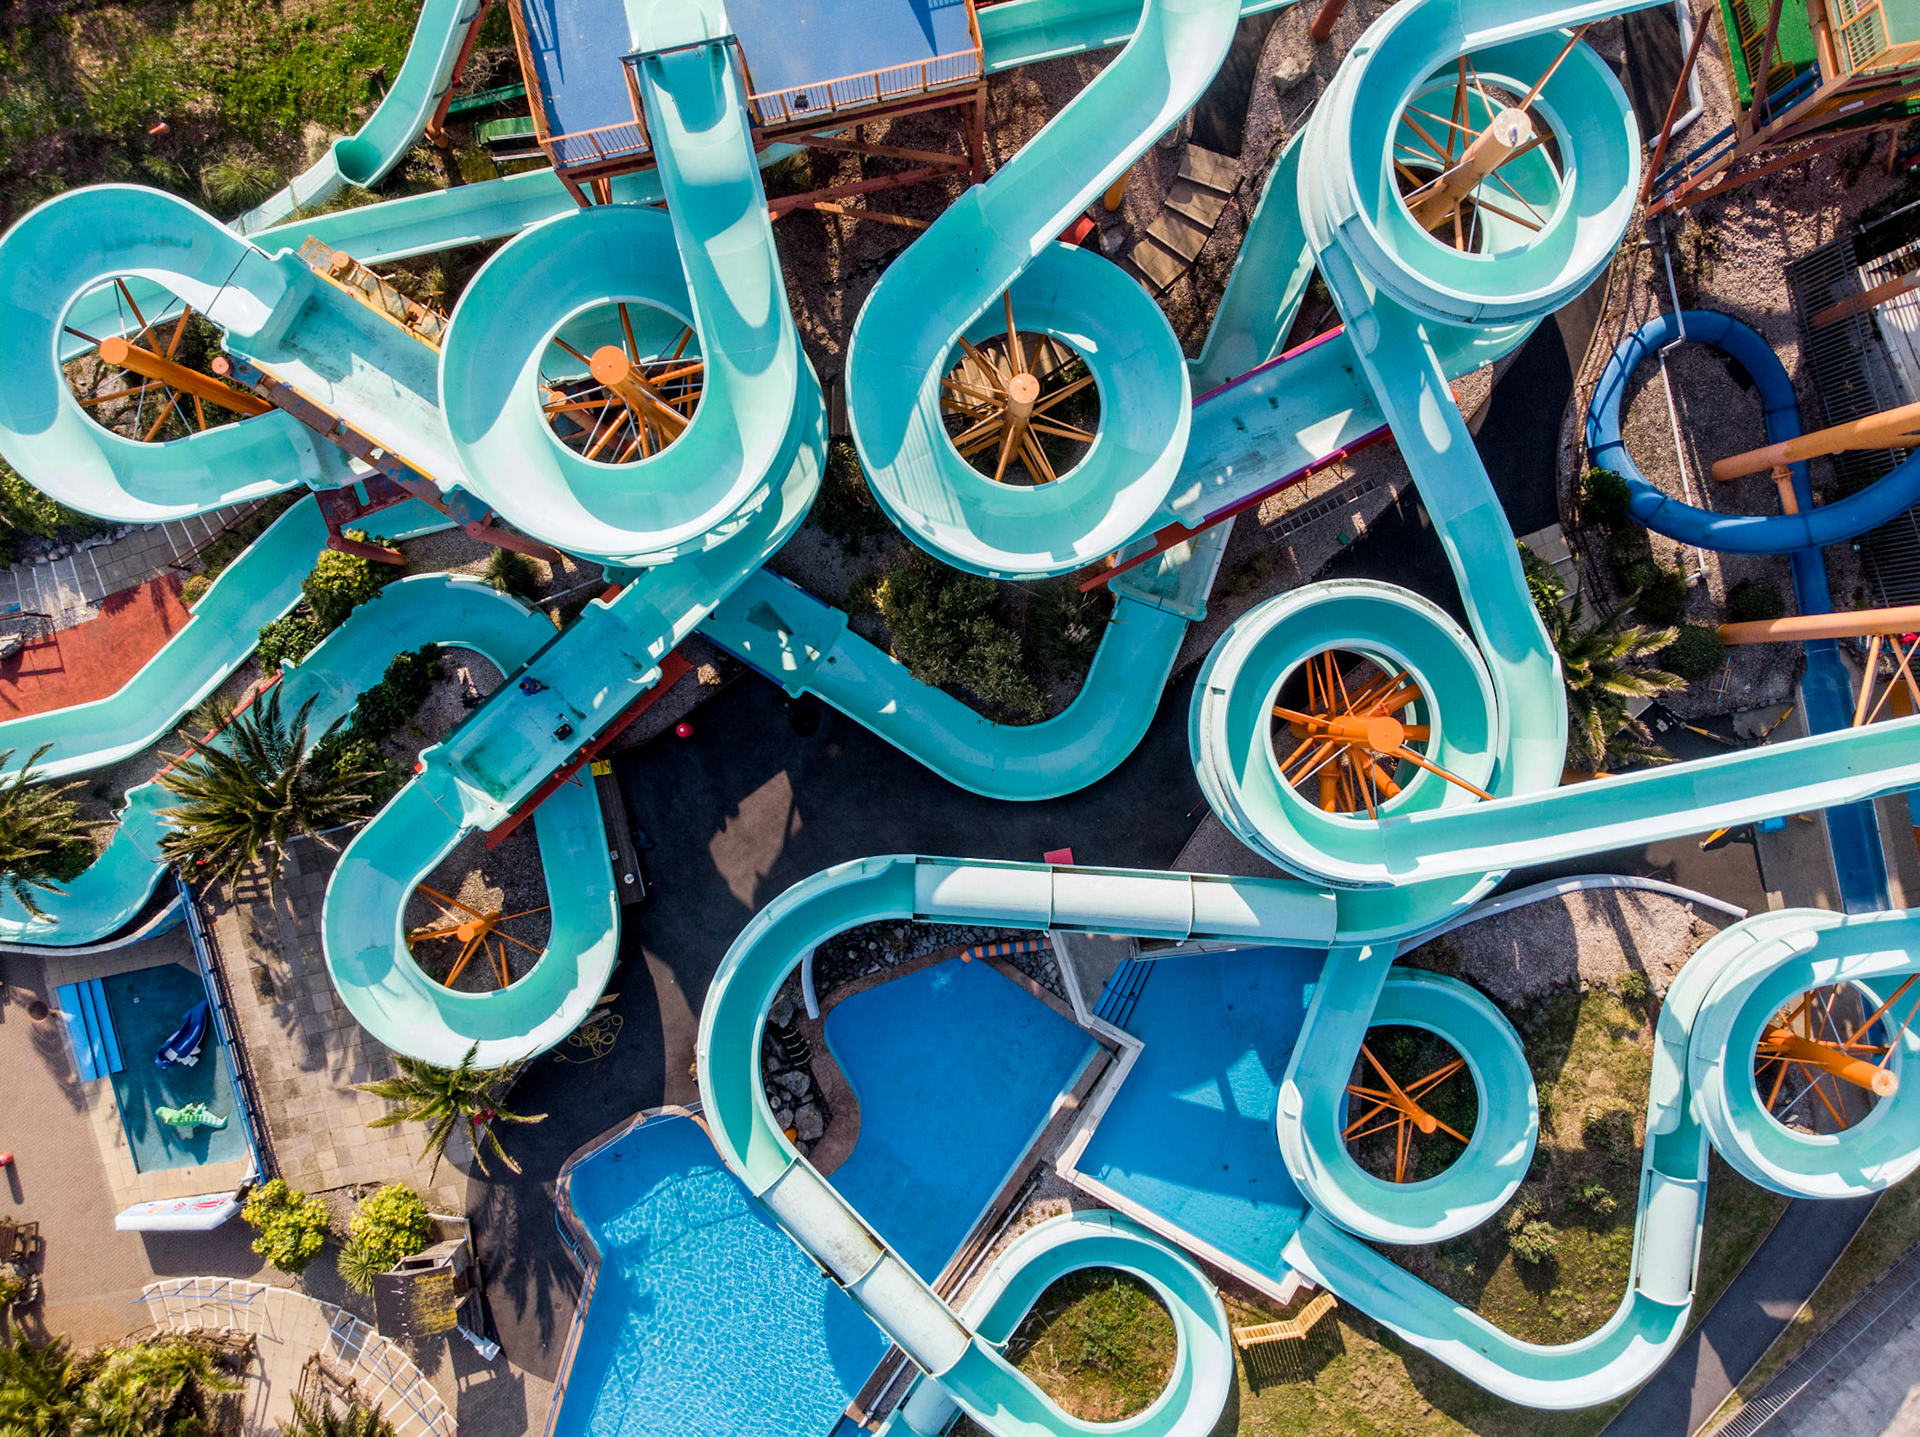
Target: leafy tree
341, 581
292, 1227
260, 784
945, 633
39, 1388
288, 640
444, 1097
1603, 663
154, 1389
388, 1225
42, 841
355, 1419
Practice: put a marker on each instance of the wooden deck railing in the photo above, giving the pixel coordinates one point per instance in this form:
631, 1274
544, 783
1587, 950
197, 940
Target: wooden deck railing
592, 147
873, 87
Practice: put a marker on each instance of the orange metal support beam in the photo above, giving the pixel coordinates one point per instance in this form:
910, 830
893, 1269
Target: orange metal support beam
1890, 429
124, 354
1798, 627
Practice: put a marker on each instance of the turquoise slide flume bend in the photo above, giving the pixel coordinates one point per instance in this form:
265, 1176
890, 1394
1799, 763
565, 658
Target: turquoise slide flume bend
254, 590
434, 608
1000, 236
967, 1364
770, 433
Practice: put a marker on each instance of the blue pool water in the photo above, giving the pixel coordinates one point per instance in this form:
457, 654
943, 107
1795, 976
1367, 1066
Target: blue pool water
707, 1320
1190, 1135
146, 1006
956, 1068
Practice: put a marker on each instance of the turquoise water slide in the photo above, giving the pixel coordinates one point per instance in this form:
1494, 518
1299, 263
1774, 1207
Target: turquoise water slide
254, 590
755, 466
435, 608
998, 237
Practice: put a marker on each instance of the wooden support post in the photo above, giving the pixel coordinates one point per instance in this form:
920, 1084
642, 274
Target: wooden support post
1890, 429
1323, 23
1434, 203
1872, 299
124, 354
1700, 22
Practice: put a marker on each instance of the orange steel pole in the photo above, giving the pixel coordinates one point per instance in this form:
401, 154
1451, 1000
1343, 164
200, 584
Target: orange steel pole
124, 354
1323, 23
1784, 1043
1509, 130
1872, 299
1890, 429
1796, 627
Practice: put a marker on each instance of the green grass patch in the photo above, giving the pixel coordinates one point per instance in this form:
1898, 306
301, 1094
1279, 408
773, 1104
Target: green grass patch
1098, 1342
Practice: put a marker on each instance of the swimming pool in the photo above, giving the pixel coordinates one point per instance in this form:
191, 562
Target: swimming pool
1190, 1135
956, 1069
147, 1006
705, 1319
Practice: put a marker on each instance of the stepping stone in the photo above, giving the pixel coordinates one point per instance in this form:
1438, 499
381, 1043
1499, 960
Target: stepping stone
1181, 235
1201, 205
1204, 167
1157, 263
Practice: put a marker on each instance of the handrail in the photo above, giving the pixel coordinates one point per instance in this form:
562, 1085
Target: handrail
220, 999
562, 149
869, 87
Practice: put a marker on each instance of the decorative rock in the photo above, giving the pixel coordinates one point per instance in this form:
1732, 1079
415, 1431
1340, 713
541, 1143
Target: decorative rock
1288, 74
796, 1083
809, 1124
783, 1118
780, 1015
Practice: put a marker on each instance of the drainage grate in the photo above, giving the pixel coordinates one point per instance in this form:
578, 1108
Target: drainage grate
1850, 374
1331, 502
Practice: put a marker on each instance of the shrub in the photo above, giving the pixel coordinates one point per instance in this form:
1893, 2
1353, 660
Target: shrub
1603, 498
845, 506
398, 695
292, 1226
1748, 601
945, 633
195, 589
238, 180
1594, 1198
340, 581
388, 1225
28, 511
1068, 625
512, 572
289, 640
1663, 595
1694, 655
1534, 1241
1627, 546
1633, 986
1610, 1133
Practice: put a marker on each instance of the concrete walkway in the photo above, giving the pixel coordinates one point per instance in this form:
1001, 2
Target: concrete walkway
69, 589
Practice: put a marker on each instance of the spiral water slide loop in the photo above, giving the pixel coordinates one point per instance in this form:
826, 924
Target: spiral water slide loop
990, 264
74, 245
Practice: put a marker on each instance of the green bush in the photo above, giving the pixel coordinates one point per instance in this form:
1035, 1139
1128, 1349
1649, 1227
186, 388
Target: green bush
845, 506
388, 1225
1068, 625
238, 180
292, 1226
1610, 1133
1626, 547
195, 589
289, 640
340, 581
1633, 986
397, 697
512, 572
1694, 655
1603, 498
944, 631
1749, 601
1594, 1198
1534, 1241
1663, 596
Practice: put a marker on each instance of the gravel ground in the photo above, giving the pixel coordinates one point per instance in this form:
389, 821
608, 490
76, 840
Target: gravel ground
875, 947
1586, 938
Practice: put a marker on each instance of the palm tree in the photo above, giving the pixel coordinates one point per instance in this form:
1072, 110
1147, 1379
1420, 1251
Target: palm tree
443, 1097
356, 1419
39, 1388
263, 784
1603, 663
38, 823
154, 1389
